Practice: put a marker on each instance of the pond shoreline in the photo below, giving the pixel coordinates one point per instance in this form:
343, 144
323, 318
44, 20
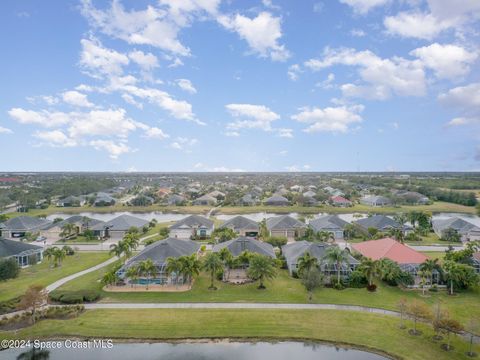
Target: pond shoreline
230, 340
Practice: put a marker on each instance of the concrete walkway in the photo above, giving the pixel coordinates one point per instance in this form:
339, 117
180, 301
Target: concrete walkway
64, 280
273, 306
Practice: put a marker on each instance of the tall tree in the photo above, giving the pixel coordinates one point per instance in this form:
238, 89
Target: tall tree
312, 279
148, 269
305, 263
337, 257
212, 264
369, 268
190, 266
174, 267
261, 268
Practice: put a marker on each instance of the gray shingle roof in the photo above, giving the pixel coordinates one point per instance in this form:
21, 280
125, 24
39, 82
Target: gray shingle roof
462, 226
193, 221
161, 250
241, 244
27, 223
12, 247
328, 222
295, 250
284, 222
240, 223
76, 219
380, 222
121, 223
276, 199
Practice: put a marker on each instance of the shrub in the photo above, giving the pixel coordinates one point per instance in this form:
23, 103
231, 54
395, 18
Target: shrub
9, 269
68, 250
372, 287
203, 248
74, 297
357, 280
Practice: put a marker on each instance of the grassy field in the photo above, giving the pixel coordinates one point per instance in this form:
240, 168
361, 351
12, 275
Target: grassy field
434, 208
432, 239
43, 274
374, 332
285, 289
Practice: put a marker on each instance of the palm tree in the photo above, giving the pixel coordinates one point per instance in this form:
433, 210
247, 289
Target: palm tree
110, 278
131, 240
132, 273
48, 253
369, 268
213, 264
228, 261
67, 230
117, 249
190, 266
174, 266
397, 234
336, 256
58, 256
244, 258
147, 268
325, 236
429, 266
305, 263
261, 268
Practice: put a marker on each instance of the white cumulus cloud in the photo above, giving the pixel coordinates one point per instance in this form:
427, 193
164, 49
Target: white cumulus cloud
329, 119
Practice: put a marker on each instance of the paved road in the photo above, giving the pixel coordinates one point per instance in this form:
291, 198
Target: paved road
439, 248
60, 282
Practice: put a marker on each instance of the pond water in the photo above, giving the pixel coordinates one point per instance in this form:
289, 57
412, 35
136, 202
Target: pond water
206, 351
162, 217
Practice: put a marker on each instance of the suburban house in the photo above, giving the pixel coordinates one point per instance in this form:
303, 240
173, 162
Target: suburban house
159, 252
294, 251
118, 227
162, 192
330, 223
340, 201
309, 193
242, 226
467, 230
375, 200
176, 200
411, 197
476, 262
237, 246
71, 201
277, 200
192, 227
18, 227
217, 194
205, 200
247, 200
24, 253
285, 226
309, 201
81, 223
408, 259
382, 223
103, 199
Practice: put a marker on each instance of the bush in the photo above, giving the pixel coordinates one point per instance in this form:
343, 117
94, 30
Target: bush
68, 250
357, 280
276, 241
203, 248
372, 287
9, 269
74, 297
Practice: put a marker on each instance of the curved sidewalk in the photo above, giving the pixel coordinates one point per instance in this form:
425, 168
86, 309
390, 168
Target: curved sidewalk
66, 279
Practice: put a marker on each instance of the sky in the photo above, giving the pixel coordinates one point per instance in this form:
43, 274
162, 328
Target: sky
240, 85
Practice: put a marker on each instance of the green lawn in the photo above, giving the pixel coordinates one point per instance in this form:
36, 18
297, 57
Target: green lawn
434, 254
374, 332
285, 289
43, 274
432, 239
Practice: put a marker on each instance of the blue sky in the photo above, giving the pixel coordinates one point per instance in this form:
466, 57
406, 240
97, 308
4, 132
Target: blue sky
211, 85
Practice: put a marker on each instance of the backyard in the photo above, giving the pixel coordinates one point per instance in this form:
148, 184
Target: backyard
43, 274
285, 289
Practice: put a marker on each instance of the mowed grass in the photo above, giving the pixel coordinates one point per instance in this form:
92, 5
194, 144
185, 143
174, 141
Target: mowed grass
369, 331
43, 274
284, 289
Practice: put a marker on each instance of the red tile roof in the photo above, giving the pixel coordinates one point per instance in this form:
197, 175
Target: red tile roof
390, 249
339, 199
